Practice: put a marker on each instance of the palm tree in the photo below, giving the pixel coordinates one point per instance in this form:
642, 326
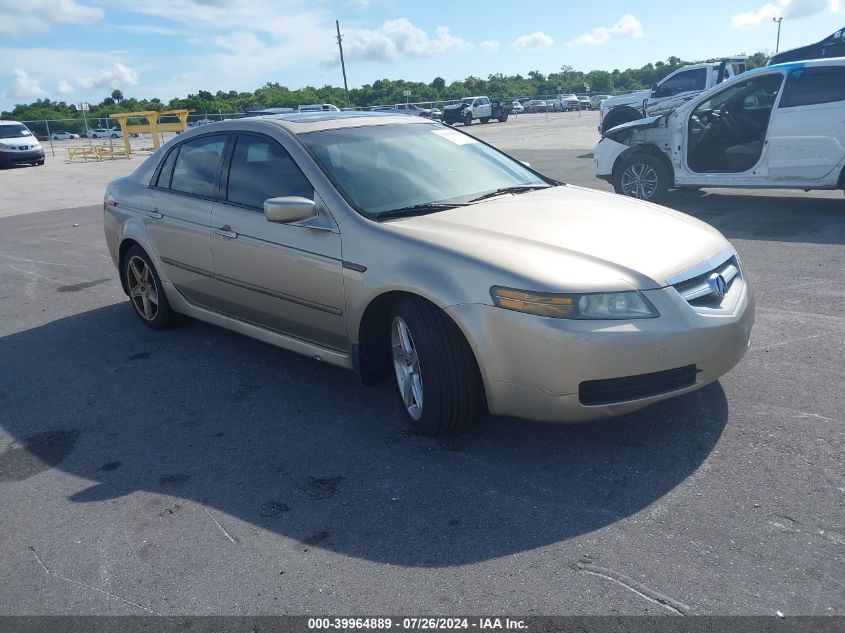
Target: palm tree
117, 95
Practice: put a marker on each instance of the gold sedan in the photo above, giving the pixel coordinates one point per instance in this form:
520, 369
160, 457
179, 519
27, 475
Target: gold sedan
400, 248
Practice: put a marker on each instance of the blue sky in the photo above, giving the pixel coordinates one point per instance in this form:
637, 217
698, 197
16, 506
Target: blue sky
75, 50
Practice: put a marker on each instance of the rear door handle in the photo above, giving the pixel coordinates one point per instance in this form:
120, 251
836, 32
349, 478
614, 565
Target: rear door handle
225, 231
155, 214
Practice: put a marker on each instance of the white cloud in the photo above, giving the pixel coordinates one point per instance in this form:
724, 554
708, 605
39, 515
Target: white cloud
787, 9
626, 26
533, 42
64, 87
398, 39
117, 76
24, 87
19, 17
490, 46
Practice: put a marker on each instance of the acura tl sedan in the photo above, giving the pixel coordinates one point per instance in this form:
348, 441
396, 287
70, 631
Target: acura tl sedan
405, 250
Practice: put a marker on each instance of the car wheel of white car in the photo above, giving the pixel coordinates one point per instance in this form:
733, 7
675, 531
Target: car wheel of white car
436, 374
641, 176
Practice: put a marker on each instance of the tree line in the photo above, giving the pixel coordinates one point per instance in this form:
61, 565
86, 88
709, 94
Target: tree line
382, 91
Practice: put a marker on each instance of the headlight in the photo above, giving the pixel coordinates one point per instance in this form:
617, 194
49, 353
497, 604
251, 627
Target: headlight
600, 305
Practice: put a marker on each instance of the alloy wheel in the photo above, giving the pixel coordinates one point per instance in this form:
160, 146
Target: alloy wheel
639, 181
142, 288
406, 363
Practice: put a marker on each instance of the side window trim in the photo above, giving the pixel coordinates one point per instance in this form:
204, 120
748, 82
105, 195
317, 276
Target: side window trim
223, 189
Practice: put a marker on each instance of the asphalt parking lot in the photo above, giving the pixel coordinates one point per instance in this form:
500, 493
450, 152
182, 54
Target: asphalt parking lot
195, 471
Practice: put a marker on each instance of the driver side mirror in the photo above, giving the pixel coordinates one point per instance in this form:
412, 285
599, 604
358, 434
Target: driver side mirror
289, 209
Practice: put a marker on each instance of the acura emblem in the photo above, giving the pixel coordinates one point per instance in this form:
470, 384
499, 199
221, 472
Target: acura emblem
718, 285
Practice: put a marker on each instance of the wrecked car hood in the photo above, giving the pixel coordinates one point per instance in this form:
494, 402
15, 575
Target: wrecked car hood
639, 124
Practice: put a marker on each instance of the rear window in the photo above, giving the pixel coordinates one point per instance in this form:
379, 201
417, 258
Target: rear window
810, 86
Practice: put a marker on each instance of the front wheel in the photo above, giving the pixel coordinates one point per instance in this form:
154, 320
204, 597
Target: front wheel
468, 119
438, 380
146, 293
642, 176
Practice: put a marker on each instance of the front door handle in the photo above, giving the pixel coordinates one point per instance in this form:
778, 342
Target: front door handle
225, 231
155, 214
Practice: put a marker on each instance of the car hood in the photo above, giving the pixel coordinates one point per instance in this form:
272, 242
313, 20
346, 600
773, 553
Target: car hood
639, 124
631, 97
570, 238
21, 142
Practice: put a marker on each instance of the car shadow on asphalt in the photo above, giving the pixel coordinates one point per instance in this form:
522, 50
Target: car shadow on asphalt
787, 218
204, 416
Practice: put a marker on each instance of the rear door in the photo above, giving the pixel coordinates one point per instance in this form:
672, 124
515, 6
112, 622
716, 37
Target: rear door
178, 214
807, 131
285, 277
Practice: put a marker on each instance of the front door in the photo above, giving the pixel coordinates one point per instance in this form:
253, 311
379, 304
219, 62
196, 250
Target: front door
807, 133
178, 215
285, 277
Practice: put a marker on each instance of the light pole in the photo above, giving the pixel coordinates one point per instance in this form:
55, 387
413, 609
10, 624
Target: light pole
342, 64
777, 45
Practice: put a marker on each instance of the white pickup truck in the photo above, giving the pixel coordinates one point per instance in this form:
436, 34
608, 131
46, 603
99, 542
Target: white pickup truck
669, 93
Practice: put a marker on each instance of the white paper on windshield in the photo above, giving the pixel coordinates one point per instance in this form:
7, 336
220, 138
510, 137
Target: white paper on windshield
456, 137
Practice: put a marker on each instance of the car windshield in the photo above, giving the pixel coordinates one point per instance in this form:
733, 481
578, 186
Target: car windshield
468, 100
13, 131
383, 168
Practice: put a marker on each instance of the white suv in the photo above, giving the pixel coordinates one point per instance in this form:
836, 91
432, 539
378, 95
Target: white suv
773, 127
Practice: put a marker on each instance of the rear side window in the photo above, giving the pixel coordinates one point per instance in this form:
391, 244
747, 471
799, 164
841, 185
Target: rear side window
810, 86
262, 169
166, 172
197, 165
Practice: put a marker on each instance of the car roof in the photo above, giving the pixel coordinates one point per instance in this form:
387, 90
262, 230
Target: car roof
303, 122
2, 122
807, 63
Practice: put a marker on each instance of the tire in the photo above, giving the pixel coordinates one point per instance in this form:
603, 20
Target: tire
468, 120
503, 118
485, 119
642, 176
444, 394
156, 312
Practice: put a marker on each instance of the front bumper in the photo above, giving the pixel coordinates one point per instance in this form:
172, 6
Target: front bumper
606, 153
15, 156
533, 366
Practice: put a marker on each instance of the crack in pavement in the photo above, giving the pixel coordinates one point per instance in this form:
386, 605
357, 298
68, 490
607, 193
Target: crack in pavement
678, 608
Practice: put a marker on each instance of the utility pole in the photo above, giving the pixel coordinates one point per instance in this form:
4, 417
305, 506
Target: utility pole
342, 65
777, 45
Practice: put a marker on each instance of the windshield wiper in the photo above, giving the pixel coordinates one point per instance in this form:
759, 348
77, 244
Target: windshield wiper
511, 189
419, 209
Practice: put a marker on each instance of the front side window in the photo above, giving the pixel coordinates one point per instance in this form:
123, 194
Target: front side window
388, 167
262, 169
809, 86
686, 81
197, 165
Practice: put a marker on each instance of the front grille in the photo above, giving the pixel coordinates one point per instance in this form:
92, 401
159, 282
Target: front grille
613, 390
711, 290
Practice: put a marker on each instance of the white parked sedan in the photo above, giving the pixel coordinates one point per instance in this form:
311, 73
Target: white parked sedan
63, 136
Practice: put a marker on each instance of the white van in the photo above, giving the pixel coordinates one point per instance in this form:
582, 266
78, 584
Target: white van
779, 126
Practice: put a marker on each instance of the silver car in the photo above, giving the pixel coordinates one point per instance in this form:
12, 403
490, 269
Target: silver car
400, 248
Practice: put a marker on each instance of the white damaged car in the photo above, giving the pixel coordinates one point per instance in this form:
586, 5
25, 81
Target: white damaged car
773, 127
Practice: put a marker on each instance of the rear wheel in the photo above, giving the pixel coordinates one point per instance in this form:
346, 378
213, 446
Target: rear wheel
503, 118
436, 375
485, 119
642, 176
146, 293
